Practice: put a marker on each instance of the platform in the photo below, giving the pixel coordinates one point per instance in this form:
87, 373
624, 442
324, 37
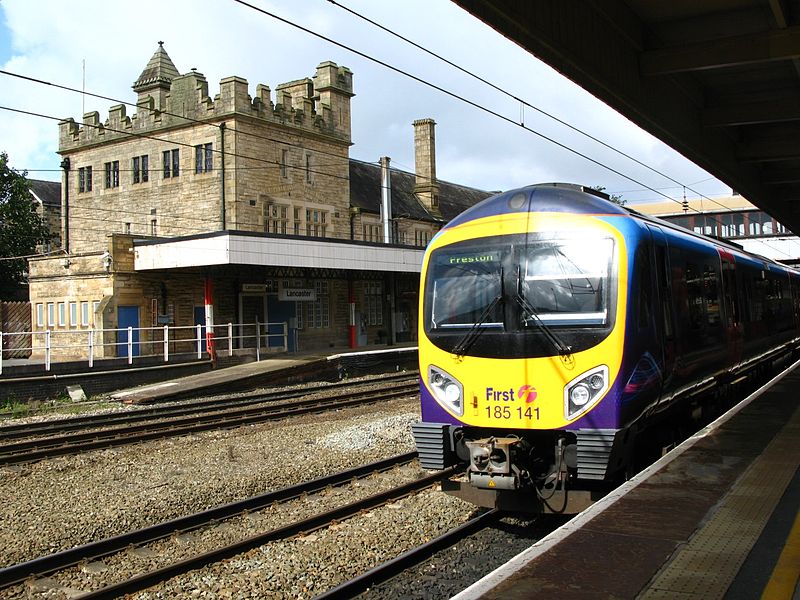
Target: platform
277, 370
715, 518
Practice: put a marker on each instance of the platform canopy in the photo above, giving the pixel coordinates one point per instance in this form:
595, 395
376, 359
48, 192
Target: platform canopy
262, 249
718, 80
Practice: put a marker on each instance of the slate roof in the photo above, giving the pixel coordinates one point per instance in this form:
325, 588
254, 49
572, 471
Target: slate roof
159, 72
365, 193
49, 192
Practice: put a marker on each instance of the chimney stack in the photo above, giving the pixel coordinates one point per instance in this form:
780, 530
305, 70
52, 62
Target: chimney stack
425, 186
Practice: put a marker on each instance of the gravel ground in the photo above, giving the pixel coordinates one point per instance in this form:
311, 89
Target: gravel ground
63, 502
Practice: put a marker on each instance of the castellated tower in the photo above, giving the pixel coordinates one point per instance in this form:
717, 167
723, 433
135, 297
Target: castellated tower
426, 187
334, 88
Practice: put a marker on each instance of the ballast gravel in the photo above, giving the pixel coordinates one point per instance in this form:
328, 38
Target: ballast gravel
64, 502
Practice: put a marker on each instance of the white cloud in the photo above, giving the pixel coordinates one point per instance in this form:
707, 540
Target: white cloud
225, 38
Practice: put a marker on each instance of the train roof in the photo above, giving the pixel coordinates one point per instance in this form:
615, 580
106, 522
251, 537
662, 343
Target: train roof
542, 197
578, 199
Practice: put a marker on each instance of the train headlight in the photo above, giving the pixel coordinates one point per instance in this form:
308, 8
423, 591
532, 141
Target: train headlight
447, 390
585, 391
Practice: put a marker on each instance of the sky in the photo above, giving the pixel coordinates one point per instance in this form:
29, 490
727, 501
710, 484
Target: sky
102, 47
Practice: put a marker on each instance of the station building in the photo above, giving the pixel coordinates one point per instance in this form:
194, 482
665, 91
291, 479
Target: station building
732, 218
238, 209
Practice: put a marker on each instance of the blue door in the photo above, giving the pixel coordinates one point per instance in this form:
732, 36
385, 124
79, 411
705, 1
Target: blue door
127, 316
200, 319
279, 313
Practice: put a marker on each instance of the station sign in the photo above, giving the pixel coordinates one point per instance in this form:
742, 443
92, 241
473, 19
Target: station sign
297, 294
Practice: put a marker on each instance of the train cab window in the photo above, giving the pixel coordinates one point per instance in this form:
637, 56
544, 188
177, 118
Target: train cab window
466, 289
564, 281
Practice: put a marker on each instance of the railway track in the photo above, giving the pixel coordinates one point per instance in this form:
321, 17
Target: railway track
62, 445
50, 564
167, 411
412, 558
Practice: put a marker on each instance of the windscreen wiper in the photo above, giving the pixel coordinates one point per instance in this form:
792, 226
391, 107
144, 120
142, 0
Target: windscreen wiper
477, 328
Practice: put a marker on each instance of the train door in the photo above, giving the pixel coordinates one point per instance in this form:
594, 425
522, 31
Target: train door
666, 320
733, 323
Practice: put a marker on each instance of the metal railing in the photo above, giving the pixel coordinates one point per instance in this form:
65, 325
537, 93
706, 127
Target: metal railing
134, 342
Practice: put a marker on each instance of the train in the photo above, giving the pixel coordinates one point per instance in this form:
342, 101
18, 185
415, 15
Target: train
563, 336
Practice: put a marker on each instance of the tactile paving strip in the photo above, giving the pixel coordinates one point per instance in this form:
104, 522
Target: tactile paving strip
705, 567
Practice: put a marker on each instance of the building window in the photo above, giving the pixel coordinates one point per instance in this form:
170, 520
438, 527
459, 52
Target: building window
308, 168
112, 174
62, 314
277, 218
172, 163
51, 314
372, 233
154, 227
95, 308
128, 228
319, 310
373, 291
421, 238
141, 168
316, 223
85, 179
297, 221
284, 163
73, 314
40, 315
203, 161
85, 313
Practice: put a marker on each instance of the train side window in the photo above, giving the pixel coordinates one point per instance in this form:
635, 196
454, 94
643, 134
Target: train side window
664, 285
645, 295
696, 297
711, 296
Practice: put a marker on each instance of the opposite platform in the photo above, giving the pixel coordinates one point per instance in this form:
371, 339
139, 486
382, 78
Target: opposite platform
275, 370
694, 525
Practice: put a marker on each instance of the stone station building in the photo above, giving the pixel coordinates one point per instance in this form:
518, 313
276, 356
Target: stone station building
237, 209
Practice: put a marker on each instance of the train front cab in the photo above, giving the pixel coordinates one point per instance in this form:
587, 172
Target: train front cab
521, 341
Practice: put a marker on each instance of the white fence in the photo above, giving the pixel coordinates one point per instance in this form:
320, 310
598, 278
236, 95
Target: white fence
133, 342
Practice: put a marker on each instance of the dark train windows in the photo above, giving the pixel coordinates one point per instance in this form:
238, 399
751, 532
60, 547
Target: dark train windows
696, 294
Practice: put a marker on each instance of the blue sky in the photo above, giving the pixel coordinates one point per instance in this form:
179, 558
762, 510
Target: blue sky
473, 148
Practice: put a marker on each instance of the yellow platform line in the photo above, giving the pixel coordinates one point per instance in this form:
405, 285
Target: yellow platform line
783, 582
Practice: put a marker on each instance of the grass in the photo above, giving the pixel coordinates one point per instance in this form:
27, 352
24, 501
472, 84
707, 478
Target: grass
13, 408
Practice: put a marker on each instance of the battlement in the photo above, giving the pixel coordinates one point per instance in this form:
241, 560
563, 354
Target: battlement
319, 105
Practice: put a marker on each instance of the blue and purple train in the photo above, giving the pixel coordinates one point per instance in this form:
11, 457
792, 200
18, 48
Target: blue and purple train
559, 331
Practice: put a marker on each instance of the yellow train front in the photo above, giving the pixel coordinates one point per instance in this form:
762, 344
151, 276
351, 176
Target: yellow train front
548, 339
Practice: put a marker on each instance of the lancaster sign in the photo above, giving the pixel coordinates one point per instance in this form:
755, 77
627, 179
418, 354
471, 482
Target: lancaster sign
297, 294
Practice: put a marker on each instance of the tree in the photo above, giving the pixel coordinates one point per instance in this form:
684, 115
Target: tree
616, 199
21, 227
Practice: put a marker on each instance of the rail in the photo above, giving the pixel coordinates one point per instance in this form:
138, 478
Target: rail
52, 345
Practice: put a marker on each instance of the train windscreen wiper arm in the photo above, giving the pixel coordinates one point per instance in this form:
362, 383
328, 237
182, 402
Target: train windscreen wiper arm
477, 328
528, 310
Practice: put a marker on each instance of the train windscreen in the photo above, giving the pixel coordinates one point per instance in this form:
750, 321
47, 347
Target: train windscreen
535, 294
563, 282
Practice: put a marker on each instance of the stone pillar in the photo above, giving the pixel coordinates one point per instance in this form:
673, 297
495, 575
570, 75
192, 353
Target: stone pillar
425, 185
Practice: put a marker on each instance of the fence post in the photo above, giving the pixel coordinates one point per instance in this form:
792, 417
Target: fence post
91, 348
230, 339
166, 343
130, 345
285, 336
47, 350
199, 342
258, 341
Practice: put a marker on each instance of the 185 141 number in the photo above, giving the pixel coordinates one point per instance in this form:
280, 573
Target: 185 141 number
505, 412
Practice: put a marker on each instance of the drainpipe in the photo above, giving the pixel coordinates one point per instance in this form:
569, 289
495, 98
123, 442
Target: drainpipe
65, 207
386, 200
222, 178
